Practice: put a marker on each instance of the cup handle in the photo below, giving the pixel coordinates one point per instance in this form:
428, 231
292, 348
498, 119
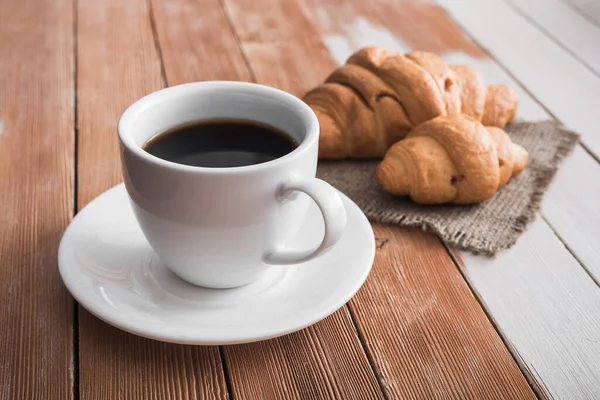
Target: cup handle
334, 215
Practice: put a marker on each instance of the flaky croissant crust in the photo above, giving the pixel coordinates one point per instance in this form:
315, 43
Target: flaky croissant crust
378, 96
451, 159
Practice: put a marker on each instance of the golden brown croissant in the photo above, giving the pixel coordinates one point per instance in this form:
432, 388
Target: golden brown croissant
365, 118
451, 159
378, 96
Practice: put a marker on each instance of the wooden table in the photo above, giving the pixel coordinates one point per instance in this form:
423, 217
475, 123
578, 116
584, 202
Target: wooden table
428, 323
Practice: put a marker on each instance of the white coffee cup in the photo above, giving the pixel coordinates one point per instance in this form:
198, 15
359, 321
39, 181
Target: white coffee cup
223, 227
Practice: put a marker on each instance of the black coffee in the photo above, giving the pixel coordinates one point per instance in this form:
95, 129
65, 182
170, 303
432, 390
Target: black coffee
221, 143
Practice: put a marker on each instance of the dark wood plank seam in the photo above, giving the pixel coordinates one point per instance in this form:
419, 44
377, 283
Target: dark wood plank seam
226, 374
360, 334
545, 32
165, 83
226, 371
368, 354
163, 72
533, 383
349, 309
596, 281
75, 373
237, 38
581, 12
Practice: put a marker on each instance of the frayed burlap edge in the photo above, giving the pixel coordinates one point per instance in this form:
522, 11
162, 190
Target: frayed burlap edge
463, 241
477, 245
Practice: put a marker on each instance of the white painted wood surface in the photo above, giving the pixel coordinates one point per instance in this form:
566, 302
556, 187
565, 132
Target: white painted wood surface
537, 289
572, 207
560, 81
566, 26
548, 310
588, 8
572, 204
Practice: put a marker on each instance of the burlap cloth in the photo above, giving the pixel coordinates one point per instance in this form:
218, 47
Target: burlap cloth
485, 228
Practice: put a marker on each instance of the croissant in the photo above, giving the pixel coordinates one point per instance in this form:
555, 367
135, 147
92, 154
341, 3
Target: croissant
378, 96
451, 159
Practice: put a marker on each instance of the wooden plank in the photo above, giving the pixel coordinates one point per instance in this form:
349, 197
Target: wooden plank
589, 9
427, 335
324, 361
115, 364
281, 45
527, 52
347, 26
404, 320
364, 24
564, 25
570, 203
36, 197
327, 359
548, 309
191, 51
425, 27
571, 208
118, 63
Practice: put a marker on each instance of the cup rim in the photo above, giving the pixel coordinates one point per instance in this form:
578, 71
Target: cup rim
153, 99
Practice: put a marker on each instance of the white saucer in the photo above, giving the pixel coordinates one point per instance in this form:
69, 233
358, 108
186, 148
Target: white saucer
110, 269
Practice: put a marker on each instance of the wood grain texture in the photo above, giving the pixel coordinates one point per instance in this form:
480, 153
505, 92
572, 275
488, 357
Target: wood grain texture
326, 360
36, 197
349, 25
571, 208
343, 36
589, 9
434, 359
427, 334
197, 42
568, 205
526, 320
115, 364
526, 52
563, 24
117, 63
347, 40
280, 43
548, 309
